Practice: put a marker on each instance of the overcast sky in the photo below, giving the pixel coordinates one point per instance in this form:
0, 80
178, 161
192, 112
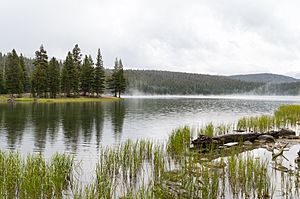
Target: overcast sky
200, 36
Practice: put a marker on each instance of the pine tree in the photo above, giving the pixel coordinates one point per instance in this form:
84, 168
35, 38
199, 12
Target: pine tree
13, 74
53, 77
99, 76
117, 83
77, 62
87, 74
77, 55
40, 77
112, 82
24, 75
121, 79
69, 83
2, 86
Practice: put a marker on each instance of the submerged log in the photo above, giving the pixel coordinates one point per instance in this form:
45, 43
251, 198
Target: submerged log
206, 141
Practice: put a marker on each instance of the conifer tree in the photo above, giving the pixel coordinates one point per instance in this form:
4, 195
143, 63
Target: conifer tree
87, 74
2, 86
77, 62
69, 83
121, 79
40, 77
117, 83
77, 55
13, 74
24, 75
99, 76
53, 77
112, 82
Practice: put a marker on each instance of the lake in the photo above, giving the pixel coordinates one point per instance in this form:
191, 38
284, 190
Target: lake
81, 128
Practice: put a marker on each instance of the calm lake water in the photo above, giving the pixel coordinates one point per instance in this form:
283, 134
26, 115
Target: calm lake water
81, 128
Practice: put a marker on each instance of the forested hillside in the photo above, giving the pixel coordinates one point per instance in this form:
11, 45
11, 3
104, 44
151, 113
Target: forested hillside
151, 81
164, 82
265, 78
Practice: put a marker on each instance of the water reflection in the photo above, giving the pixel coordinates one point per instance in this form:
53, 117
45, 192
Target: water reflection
81, 128
117, 118
99, 123
14, 122
75, 123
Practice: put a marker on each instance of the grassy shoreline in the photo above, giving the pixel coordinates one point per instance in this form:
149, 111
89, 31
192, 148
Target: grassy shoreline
5, 99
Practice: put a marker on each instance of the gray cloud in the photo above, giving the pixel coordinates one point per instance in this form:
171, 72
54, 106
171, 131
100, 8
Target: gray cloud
206, 36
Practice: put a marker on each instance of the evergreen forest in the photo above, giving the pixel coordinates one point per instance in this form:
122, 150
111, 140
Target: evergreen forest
45, 77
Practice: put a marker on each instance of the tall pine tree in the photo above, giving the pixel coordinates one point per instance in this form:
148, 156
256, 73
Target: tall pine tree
77, 62
24, 75
121, 79
53, 77
117, 83
13, 74
40, 76
69, 76
87, 74
99, 76
112, 82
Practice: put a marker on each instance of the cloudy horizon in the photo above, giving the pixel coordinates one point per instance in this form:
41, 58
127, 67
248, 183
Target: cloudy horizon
198, 36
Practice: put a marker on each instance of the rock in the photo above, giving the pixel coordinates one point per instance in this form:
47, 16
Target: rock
248, 143
266, 138
231, 144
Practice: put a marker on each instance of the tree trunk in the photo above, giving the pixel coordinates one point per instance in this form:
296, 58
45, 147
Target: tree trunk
205, 141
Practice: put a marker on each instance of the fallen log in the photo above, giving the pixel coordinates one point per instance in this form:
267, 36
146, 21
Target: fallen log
204, 141
281, 133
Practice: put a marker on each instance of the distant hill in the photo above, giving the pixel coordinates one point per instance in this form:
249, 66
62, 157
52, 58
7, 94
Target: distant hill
165, 82
265, 78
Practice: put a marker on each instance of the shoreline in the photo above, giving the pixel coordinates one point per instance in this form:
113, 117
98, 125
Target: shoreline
4, 99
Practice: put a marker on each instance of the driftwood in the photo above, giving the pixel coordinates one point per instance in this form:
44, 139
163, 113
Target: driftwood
280, 153
206, 142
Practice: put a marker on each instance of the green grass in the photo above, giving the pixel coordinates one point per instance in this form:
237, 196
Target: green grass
179, 141
288, 114
257, 124
33, 177
284, 116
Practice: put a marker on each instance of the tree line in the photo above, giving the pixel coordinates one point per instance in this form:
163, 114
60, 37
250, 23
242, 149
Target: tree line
74, 77
178, 83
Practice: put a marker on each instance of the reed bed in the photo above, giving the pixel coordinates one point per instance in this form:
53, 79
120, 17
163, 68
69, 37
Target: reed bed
34, 177
257, 124
288, 115
211, 129
284, 116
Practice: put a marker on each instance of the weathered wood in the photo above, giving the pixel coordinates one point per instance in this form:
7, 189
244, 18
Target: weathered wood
281, 133
280, 153
206, 141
